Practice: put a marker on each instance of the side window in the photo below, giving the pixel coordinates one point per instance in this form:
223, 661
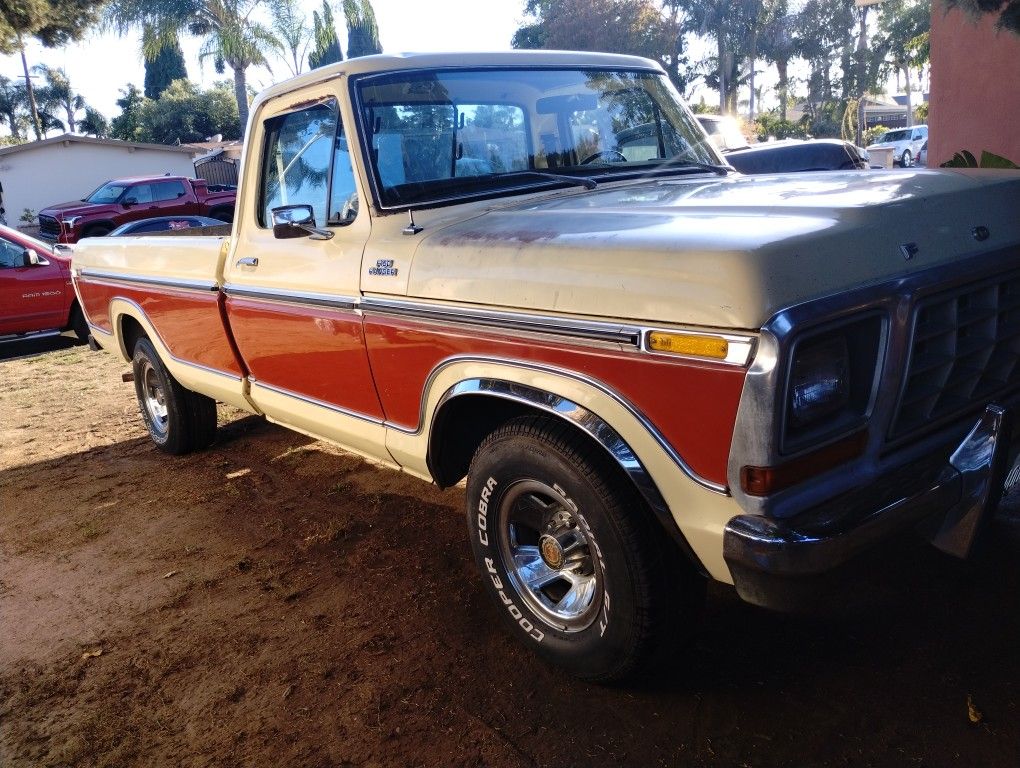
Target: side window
343, 195
11, 255
168, 190
296, 161
140, 193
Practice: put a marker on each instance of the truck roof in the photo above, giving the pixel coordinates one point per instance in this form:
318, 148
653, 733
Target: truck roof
143, 179
404, 61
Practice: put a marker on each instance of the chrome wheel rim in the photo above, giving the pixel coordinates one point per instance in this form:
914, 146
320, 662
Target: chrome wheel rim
547, 552
154, 399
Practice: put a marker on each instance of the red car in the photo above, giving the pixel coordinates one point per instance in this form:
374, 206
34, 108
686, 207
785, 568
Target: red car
142, 197
35, 288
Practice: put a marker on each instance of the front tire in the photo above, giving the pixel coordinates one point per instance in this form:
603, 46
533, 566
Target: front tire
574, 560
178, 420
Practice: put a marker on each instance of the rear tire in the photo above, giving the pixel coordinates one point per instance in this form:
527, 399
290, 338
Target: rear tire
906, 159
223, 214
573, 558
78, 324
179, 420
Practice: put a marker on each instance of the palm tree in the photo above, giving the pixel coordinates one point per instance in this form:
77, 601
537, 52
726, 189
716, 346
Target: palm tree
293, 32
13, 101
232, 37
58, 94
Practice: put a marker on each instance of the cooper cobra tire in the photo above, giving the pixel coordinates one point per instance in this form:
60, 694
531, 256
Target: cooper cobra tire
179, 421
577, 565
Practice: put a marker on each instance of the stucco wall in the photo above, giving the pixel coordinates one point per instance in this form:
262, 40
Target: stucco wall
975, 99
55, 173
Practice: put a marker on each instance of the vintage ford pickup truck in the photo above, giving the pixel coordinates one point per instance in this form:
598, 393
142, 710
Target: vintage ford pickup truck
533, 271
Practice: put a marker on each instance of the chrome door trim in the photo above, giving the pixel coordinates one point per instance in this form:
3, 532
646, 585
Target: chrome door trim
300, 298
618, 333
162, 282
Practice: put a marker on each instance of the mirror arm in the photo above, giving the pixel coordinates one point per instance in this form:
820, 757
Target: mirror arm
314, 233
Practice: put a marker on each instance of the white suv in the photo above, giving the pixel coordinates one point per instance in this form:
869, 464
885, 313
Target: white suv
906, 142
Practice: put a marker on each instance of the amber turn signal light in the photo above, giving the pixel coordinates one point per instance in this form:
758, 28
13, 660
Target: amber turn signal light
688, 344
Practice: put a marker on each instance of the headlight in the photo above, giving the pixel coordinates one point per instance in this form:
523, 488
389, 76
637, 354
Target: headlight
819, 381
831, 382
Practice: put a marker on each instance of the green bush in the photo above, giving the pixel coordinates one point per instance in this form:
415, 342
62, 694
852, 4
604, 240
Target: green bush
874, 134
768, 125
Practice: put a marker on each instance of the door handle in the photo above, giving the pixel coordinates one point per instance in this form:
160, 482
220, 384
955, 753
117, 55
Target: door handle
247, 261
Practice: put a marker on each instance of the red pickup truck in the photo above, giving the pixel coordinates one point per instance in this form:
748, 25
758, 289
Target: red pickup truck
35, 288
141, 197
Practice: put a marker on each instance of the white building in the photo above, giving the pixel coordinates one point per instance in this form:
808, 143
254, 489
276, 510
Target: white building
69, 167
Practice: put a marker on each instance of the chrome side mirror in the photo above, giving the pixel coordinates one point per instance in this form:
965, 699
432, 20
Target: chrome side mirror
297, 221
30, 258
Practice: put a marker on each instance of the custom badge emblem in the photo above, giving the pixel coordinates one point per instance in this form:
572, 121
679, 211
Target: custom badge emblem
909, 250
383, 268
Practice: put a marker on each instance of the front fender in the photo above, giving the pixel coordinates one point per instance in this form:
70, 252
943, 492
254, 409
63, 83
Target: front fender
698, 508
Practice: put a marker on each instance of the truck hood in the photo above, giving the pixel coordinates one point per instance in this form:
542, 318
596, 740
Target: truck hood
77, 208
721, 252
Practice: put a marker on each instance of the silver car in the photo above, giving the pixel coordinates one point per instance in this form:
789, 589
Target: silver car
906, 142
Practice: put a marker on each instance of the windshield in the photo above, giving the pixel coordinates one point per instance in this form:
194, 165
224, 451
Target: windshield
108, 193
441, 135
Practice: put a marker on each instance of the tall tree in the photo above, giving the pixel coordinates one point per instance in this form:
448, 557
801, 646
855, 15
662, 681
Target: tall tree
13, 103
94, 124
779, 46
58, 94
127, 125
732, 24
326, 44
166, 66
362, 30
52, 22
232, 37
293, 32
901, 25
184, 114
636, 27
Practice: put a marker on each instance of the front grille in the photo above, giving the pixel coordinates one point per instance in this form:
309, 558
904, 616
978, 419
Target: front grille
965, 351
48, 225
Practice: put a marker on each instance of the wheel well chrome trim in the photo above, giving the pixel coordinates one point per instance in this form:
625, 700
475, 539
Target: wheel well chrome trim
589, 423
664, 444
115, 322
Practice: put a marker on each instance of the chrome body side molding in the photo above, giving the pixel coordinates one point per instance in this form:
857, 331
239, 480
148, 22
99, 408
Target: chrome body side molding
119, 277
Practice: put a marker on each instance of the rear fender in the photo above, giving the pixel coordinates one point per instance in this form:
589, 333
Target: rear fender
198, 378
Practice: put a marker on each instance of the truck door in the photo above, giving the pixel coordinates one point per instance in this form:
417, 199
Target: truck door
292, 297
32, 297
171, 197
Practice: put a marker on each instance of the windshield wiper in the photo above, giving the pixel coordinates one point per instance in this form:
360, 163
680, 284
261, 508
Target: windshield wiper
586, 181
683, 161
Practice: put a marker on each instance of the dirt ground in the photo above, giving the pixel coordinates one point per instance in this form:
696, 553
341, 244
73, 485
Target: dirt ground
274, 601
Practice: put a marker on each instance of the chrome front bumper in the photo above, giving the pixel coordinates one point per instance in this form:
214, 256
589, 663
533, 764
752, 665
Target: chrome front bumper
774, 562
